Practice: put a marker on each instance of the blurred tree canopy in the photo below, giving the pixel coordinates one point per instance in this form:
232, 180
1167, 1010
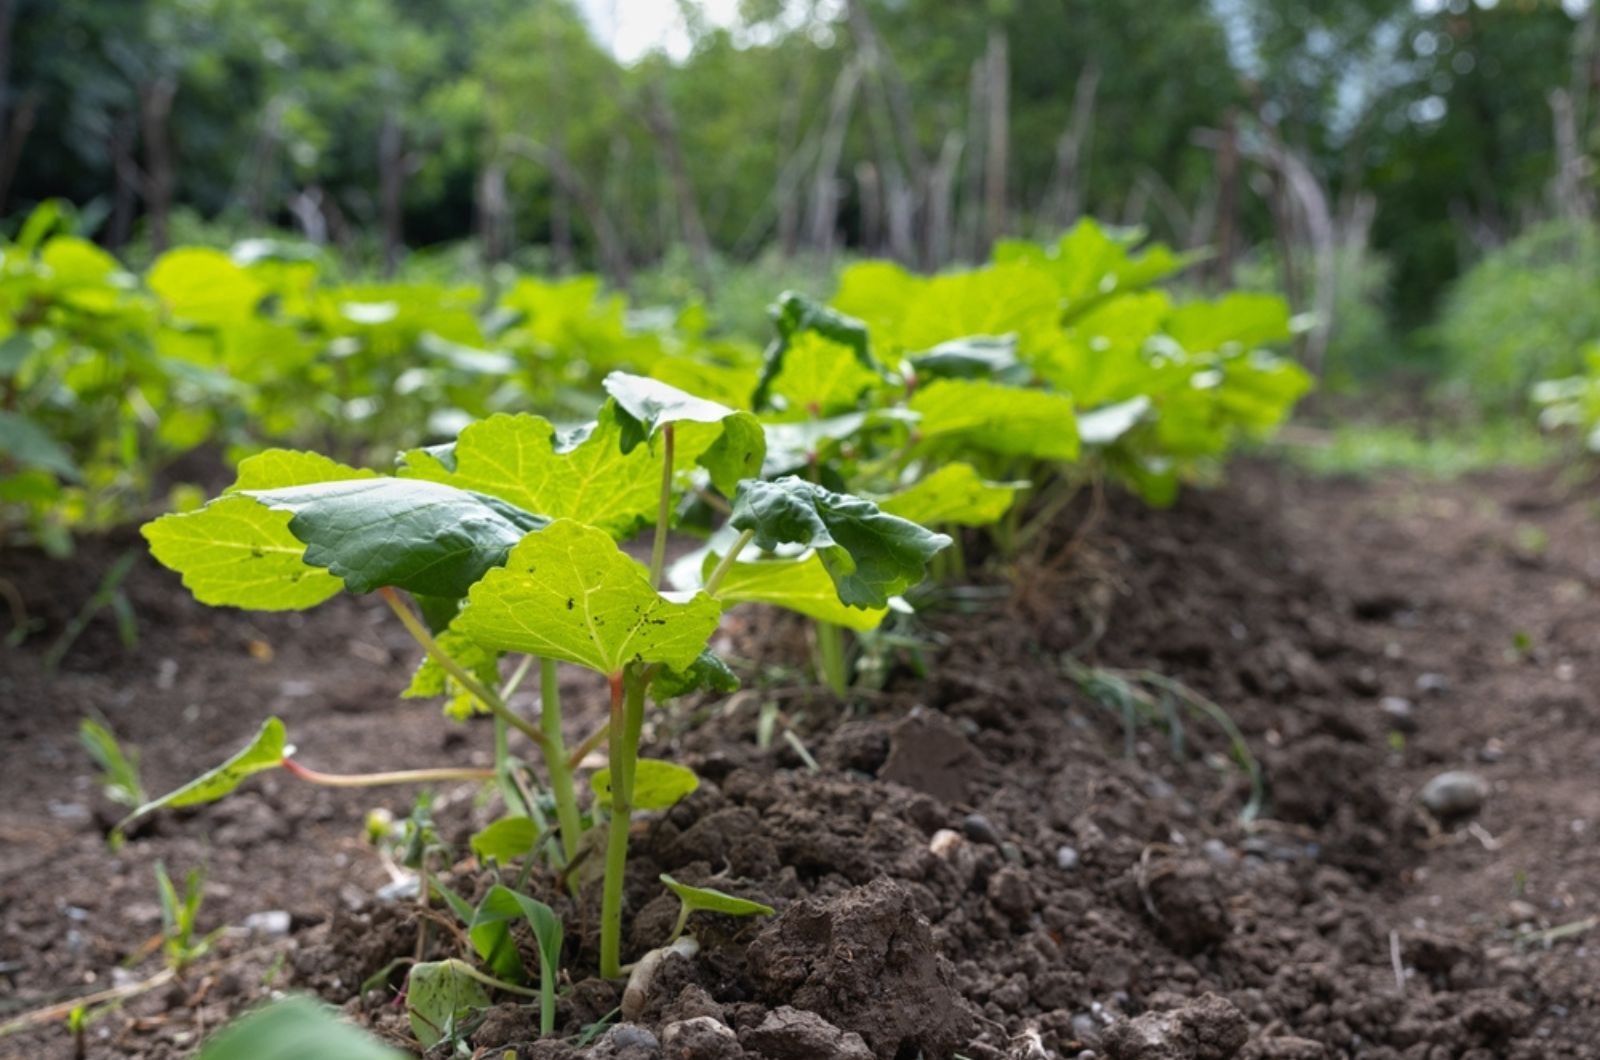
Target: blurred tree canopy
918, 128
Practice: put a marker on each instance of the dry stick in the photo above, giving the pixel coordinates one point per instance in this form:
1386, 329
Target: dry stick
420, 633
373, 780
589, 744
63, 1009
1397, 963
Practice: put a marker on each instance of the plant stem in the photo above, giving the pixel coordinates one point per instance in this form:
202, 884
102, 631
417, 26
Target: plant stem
627, 720
555, 759
376, 780
831, 658
588, 744
489, 699
658, 547
726, 563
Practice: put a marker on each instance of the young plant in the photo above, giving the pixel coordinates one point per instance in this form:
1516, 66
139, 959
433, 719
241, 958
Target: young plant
507, 541
179, 914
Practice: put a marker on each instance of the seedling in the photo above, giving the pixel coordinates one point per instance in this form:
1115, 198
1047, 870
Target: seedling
179, 914
507, 542
705, 899
119, 769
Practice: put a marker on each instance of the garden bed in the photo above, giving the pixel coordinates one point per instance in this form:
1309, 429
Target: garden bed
975, 866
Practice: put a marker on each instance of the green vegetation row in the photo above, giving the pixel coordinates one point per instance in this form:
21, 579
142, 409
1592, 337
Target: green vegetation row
107, 380
875, 438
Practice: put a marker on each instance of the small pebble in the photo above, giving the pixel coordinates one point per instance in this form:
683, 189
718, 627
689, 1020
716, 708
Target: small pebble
1433, 684
980, 829
1067, 858
1520, 912
270, 922
1399, 713
1493, 750
1455, 794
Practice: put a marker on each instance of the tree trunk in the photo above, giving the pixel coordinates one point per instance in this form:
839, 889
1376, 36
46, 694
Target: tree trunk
391, 188
613, 253
155, 113
822, 212
664, 129
1227, 202
997, 77
494, 212
970, 226
941, 202
1067, 184
124, 182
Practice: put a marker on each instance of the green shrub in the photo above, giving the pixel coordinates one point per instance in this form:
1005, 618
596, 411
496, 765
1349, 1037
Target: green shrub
1523, 313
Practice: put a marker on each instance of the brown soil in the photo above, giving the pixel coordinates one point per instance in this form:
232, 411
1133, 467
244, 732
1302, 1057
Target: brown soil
978, 868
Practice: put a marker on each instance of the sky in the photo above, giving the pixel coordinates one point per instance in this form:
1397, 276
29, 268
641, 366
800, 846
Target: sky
632, 28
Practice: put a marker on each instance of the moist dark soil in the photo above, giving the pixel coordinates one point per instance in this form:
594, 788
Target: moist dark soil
1006, 857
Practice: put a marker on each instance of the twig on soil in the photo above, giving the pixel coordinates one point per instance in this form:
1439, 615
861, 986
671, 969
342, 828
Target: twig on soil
1557, 933
1396, 962
1481, 834
63, 1009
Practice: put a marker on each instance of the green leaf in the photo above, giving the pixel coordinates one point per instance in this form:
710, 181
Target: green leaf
520, 459
25, 443
708, 900
296, 1028
263, 753
1110, 422
431, 679
1242, 320
505, 840
1010, 421
569, 593
954, 493
869, 554
793, 314
973, 357
490, 932
708, 673
236, 553
440, 995
801, 584
204, 286
420, 536
119, 770
821, 376
644, 406
657, 785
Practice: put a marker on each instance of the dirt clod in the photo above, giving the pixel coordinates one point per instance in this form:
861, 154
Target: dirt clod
792, 1034
1208, 1028
700, 1038
865, 961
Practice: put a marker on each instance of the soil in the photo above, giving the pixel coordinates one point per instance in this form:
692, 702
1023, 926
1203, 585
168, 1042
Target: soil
989, 861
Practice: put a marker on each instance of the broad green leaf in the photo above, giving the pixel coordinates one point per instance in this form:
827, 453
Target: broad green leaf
657, 785
708, 900
431, 679
236, 553
802, 585
506, 839
822, 376
263, 753
644, 406
792, 446
973, 357
1010, 421
520, 459
794, 314
424, 537
869, 554
708, 673
204, 286
25, 443
1242, 319
1110, 422
296, 1028
440, 995
568, 592
954, 493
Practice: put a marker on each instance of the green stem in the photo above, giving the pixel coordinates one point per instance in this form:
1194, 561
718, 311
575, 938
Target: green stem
375, 780
831, 657
627, 720
658, 547
726, 563
489, 699
555, 759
